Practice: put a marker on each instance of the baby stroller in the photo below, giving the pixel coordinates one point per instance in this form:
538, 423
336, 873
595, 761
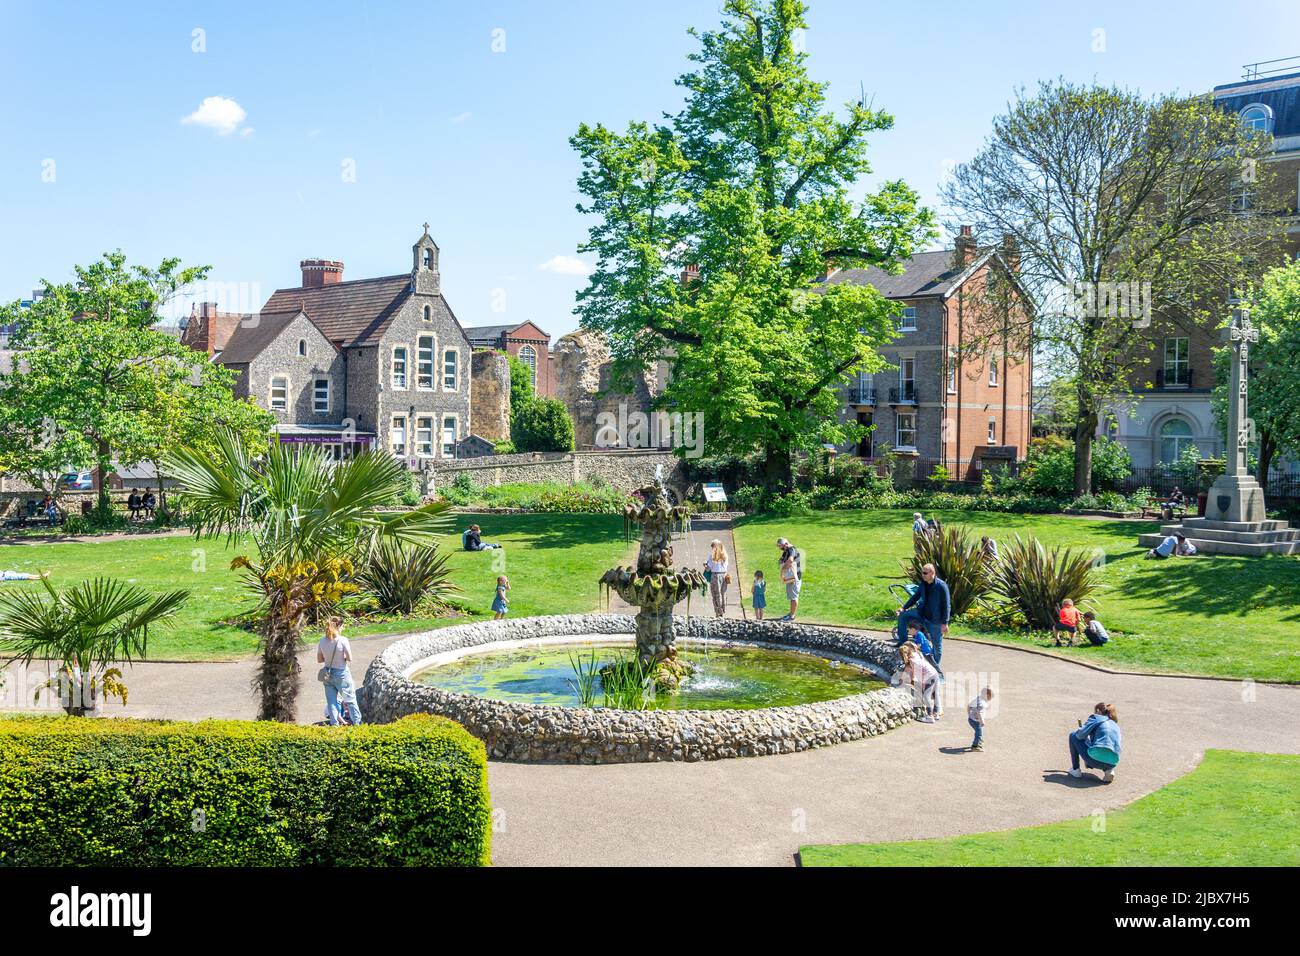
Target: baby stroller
902, 594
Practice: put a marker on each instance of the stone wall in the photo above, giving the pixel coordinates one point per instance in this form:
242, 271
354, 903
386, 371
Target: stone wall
490, 394
582, 367
527, 732
627, 470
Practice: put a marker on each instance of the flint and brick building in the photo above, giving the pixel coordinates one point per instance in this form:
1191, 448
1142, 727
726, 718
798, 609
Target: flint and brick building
940, 403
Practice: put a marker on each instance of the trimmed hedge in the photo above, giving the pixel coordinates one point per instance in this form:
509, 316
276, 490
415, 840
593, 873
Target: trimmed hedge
80, 791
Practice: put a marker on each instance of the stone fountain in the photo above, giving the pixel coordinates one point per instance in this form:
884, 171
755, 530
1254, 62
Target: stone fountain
654, 585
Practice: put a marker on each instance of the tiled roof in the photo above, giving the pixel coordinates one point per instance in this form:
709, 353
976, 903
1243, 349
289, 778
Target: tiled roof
348, 312
248, 341
924, 274
492, 333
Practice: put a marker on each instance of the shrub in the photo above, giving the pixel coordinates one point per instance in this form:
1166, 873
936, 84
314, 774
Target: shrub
77, 792
959, 560
1049, 465
542, 424
1036, 580
748, 498
400, 577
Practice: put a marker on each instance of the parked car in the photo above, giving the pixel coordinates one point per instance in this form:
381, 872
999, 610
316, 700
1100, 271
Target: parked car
78, 481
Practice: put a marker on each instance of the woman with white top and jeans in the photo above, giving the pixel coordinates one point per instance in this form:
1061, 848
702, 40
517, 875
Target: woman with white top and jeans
335, 652
717, 568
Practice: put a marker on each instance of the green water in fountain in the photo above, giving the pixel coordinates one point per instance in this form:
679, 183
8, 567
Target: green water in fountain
741, 678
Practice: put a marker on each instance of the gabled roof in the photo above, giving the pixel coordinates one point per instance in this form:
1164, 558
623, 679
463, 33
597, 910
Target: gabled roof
486, 333
352, 313
248, 341
924, 274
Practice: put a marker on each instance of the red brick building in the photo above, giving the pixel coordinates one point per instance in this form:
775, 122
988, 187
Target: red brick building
526, 342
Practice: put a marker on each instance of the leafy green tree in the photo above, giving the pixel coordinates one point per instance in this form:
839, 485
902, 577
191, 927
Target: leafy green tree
1049, 465
95, 380
1099, 190
312, 523
750, 186
1274, 368
85, 629
542, 425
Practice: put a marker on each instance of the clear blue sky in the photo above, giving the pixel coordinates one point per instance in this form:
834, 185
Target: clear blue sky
442, 128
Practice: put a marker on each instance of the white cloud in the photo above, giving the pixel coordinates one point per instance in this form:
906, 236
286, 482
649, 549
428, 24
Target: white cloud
566, 265
461, 117
219, 113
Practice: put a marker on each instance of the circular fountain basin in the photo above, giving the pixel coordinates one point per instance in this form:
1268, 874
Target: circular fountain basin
725, 675
761, 688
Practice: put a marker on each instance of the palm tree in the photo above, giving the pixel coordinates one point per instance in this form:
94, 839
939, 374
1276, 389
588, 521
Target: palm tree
311, 520
85, 629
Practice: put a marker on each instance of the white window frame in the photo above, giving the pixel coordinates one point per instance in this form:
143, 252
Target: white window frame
1263, 108
419, 363
904, 381
1182, 359
993, 431
993, 371
406, 368
424, 436
952, 373
455, 370
392, 430
899, 430
532, 355
442, 434
270, 396
1178, 442
316, 395
907, 319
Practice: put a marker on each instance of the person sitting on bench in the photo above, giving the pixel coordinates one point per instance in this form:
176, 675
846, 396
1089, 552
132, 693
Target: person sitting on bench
472, 539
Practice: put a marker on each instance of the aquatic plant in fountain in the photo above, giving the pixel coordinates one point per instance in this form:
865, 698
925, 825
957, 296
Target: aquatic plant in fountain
654, 585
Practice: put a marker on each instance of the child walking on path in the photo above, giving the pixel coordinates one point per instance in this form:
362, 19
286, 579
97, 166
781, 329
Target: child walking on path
501, 604
977, 713
758, 596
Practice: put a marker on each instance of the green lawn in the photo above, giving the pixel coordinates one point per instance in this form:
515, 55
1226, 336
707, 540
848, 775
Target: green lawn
1213, 615
1235, 809
553, 561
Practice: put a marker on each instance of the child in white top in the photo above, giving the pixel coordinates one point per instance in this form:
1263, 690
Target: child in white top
977, 712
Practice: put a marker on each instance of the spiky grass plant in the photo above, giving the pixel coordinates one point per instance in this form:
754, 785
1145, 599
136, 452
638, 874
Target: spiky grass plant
1037, 580
400, 576
958, 559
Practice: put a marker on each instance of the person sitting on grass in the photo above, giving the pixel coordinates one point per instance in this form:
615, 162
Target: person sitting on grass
918, 523
977, 713
6, 576
1096, 743
1093, 630
472, 539
989, 548
1067, 622
920, 673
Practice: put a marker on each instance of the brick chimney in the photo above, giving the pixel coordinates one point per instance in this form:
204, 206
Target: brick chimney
320, 272
964, 253
1011, 252
690, 275
209, 329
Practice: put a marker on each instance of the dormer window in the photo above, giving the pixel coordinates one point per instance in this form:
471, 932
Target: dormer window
1257, 117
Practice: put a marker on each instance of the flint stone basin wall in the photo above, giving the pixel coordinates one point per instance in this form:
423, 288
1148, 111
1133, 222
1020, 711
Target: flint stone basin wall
541, 733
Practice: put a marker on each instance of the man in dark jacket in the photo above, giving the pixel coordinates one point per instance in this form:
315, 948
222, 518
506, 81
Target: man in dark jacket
930, 607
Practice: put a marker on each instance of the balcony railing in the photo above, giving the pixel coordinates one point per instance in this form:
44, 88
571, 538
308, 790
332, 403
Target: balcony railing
1173, 378
903, 394
864, 394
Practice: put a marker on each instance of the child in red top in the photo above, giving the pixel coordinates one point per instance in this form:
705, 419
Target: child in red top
1069, 622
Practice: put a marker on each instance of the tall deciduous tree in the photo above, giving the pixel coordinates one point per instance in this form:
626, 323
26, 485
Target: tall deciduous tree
1101, 192
1274, 368
749, 185
95, 381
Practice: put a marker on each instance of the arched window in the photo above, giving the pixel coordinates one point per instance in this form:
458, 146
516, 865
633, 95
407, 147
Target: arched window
428, 313
302, 346
1175, 435
529, 357
1257, 118
428, 258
